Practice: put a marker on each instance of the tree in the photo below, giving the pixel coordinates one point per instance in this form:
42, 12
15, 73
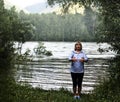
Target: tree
110, 33
6, 46
10, 29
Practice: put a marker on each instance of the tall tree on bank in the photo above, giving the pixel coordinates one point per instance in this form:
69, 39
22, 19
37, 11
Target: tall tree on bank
109, 31
6, 49
6, 52
11, 30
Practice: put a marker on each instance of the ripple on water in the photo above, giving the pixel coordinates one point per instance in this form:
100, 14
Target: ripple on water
54, 75
53, 71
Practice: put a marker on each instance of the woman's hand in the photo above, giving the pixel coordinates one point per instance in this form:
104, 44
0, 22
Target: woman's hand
74, 59
82, 60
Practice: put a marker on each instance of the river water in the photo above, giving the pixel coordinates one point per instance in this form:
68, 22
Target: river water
52, 72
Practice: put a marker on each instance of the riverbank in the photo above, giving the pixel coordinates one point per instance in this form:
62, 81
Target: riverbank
27, 94
12, 92
18, 93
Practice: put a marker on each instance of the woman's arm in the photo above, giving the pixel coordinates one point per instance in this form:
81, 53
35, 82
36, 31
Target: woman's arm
84, 58
71, 57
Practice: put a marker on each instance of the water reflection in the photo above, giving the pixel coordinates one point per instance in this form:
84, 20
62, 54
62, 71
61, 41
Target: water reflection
53, 72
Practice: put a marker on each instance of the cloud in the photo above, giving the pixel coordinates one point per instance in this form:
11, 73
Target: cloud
25, 3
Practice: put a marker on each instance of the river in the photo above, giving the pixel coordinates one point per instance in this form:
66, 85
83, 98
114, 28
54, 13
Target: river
52, 72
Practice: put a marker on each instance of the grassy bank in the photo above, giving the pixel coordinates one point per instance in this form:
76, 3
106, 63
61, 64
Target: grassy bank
17, 93
11, 92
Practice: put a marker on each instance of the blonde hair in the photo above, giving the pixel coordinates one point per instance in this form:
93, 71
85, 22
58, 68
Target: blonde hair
78, 43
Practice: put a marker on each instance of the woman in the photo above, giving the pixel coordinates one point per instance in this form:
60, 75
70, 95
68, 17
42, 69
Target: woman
77, 59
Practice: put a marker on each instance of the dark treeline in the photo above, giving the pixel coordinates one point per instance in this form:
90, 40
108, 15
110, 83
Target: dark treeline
67, 27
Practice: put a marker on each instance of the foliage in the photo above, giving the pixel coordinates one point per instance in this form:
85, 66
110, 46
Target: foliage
106, 92
110, 28
23, 58
41, 50
109, 31
18, 93
68, 27
114, 69
6, 49
11, 29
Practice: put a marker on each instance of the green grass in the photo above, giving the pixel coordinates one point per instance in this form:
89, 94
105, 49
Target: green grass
18, 93
12, 92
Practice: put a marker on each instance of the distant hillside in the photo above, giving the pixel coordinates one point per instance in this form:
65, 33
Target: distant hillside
40, 8
45, 8
35, 8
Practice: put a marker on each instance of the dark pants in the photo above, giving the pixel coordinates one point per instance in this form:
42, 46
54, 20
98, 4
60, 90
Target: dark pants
77, 79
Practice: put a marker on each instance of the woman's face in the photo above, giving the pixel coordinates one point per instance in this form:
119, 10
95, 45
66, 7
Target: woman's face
78, 47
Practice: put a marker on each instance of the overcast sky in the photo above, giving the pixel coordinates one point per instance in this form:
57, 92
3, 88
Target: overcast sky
25, 3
